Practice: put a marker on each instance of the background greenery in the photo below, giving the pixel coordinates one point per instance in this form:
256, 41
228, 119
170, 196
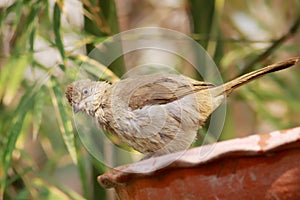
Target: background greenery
42, 46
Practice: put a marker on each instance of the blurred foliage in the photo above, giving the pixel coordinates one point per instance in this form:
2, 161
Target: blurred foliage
43, 44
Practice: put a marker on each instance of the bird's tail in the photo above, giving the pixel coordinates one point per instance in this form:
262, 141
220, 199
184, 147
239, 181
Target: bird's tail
228, 87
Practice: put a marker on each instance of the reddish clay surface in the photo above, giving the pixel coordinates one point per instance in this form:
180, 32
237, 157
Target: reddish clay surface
271, 171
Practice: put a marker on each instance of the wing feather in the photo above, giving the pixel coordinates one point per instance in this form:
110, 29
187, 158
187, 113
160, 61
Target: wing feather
159, 89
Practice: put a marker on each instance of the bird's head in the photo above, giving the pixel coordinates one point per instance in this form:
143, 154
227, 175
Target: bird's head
85, 95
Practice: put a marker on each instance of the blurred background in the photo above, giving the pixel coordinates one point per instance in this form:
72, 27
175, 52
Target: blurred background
43, 43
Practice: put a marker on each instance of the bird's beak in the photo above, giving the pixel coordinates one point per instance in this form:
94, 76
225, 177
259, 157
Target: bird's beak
76, 108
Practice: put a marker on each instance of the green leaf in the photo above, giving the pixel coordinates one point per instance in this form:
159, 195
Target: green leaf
56, 27
11, 76
82, 170
24, 106
14, 8
202, 19
104, 23
37, 112
95, 68
48, 191
31, 40
63, 120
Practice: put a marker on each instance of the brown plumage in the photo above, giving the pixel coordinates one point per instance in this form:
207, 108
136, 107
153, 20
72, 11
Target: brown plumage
156, 114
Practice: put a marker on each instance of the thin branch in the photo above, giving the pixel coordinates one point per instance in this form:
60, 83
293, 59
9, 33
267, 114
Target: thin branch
198, 37
273, 47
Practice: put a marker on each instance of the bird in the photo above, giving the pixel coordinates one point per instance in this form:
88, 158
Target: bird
156, 114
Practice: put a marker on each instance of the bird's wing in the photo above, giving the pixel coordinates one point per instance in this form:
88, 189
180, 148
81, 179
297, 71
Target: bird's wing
157, 89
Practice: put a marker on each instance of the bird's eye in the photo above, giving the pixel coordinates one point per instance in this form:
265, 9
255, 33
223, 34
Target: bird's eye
85, 91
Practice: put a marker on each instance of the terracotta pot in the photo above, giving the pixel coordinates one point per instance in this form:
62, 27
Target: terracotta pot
263, 166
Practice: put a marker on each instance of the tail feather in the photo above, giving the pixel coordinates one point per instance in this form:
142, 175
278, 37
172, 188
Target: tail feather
228, 87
